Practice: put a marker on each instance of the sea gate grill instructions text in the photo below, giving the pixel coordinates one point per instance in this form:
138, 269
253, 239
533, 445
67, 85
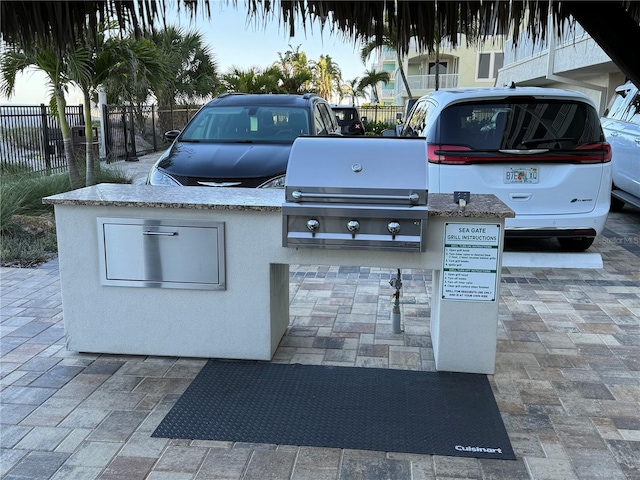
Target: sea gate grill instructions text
470, 261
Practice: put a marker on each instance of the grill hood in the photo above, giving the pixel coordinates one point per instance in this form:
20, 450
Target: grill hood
356, 193
358, 170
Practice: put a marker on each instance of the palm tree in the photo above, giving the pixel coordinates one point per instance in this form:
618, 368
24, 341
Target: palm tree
103, 60
191, 70
296, 73
45, 57
327, 76
371, 79
352, 89
137, 67
253, 80
191, 73
389, 40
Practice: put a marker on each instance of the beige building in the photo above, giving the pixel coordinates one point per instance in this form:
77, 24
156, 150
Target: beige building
572, 62
463, 66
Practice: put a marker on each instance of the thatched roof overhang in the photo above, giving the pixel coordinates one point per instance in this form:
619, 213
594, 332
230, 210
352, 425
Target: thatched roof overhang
614, 24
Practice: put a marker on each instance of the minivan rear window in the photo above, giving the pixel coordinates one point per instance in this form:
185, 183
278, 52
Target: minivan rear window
549, 125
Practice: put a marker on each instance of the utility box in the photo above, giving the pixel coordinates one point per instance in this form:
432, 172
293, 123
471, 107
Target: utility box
79, 140
79, 137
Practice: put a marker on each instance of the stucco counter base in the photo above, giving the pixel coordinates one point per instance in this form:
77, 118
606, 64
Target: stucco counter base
248, 318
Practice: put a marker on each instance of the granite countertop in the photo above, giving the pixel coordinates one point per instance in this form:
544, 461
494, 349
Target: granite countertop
150, 196
207, 198
480, 205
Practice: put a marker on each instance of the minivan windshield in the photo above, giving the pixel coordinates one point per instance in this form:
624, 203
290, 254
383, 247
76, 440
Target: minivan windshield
247, 124
550, 125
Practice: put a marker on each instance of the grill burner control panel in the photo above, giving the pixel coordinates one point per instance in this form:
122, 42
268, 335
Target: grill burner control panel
355, 227
313, 224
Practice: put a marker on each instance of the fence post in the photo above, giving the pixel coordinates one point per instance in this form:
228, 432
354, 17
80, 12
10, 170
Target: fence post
107, 132
45, 138
153, 129
102, 103
132, 132
124, 133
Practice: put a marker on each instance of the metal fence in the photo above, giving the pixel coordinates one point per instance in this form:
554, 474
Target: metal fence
30, 136
137, 130
384, 113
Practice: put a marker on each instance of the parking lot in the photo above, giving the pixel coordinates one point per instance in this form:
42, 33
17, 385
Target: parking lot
567, 378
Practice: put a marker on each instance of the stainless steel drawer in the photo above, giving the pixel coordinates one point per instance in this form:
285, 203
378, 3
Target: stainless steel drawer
162, 253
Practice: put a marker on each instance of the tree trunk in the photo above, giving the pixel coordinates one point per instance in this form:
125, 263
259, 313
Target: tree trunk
88, 133
404, 77
165, 113
438, 65
72, 164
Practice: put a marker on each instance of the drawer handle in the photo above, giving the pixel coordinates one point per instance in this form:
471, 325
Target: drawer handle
161, 234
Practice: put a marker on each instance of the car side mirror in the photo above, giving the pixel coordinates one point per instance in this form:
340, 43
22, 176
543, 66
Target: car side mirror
171, 135
363, 119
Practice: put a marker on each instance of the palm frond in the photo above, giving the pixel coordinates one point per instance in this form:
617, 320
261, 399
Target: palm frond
425, 22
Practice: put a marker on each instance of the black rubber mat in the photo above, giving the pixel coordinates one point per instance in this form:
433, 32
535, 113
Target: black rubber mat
357, 408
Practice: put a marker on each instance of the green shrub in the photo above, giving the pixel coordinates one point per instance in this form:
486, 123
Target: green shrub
9, 170
21, 194
22, 249
112, 175
376, 128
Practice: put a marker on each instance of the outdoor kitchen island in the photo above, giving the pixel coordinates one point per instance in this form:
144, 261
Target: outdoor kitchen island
222, 289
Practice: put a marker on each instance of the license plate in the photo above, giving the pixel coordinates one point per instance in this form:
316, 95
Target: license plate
521, 175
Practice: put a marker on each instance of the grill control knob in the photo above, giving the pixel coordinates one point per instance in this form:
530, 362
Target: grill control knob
393, 227
313, 224
353, 226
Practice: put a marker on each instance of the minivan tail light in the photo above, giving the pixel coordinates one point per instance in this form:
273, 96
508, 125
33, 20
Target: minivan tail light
594, 153
461, 155
441, 154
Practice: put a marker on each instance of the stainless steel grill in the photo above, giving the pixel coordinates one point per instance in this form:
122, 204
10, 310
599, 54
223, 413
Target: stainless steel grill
356, 193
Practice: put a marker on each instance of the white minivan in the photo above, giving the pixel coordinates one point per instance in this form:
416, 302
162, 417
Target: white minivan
621, 126
541, 151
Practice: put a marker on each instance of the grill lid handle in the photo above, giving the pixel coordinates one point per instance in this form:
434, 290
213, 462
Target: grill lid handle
298, 195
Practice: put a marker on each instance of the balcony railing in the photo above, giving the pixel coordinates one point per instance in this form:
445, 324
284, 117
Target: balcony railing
527, 48
425, 82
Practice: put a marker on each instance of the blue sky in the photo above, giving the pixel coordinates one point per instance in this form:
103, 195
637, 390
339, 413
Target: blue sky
233, 42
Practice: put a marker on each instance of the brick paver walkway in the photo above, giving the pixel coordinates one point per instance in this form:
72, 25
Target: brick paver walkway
567, 380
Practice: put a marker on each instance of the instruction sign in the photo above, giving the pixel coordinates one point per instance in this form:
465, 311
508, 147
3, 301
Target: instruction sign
470, 265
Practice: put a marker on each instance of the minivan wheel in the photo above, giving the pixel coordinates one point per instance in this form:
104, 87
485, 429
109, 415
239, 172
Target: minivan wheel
575, 244
616, 204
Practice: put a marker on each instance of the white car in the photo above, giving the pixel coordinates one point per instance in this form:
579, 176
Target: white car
541, 151
621, 126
